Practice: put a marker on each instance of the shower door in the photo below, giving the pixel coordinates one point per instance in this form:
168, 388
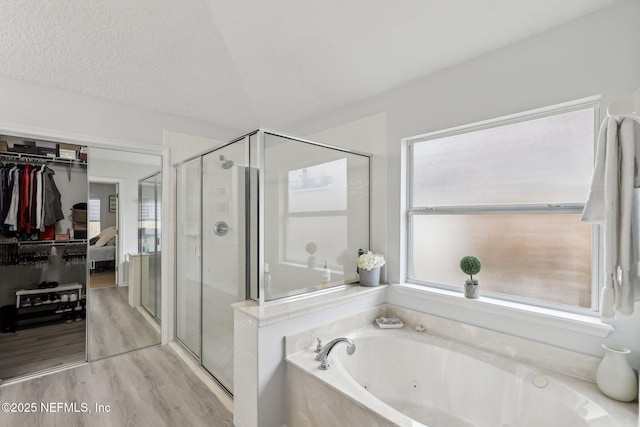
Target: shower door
188, 261
149, 194
223, 254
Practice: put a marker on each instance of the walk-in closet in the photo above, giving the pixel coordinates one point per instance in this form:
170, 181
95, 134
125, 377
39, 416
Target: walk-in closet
43, 248
73, 220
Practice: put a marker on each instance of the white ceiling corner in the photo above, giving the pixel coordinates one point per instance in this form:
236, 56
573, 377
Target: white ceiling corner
248, 63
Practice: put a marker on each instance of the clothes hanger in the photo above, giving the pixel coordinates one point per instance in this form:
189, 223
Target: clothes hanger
627, 106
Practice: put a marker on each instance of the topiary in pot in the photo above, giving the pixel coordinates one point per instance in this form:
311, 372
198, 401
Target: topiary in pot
470, 265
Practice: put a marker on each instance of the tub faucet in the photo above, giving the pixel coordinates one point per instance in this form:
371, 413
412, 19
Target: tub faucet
324, 353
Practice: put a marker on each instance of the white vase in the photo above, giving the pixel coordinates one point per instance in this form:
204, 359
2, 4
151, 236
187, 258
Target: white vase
370, 277
472, 291
614, 376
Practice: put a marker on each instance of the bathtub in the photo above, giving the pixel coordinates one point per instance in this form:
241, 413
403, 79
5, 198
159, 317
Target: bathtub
400, 377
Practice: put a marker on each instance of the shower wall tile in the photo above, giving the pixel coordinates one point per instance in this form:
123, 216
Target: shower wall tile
245, 412
246, 361
245, 373
246, 332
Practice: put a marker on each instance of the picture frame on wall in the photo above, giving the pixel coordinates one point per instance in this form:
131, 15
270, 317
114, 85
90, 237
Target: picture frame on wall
113, 203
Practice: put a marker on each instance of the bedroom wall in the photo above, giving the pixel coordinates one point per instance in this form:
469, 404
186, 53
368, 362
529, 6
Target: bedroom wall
103, 191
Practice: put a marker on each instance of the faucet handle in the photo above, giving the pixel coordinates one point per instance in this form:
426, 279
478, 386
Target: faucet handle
324, 363
319, 346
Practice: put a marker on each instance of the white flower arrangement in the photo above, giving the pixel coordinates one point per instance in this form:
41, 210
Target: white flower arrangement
369, 261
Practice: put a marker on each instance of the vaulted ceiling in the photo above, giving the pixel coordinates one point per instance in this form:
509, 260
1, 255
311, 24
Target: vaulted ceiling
248, 63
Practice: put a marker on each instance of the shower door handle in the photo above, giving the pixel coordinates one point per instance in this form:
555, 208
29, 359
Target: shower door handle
221, 228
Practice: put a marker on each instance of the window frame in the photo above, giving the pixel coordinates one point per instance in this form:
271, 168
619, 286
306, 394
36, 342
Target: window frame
550, 208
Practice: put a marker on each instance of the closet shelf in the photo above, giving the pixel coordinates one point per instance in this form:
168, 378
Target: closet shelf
46, 242
25, 157
59, 288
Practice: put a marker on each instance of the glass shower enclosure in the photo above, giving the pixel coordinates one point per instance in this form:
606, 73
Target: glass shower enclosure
266, 217
149, 242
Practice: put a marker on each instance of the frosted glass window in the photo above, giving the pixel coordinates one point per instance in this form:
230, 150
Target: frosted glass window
535, 256
544, 160
510, 193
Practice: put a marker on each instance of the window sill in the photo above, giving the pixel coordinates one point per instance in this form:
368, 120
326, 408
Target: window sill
572, 322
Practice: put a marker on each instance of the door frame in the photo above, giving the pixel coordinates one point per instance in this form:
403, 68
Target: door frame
119, 246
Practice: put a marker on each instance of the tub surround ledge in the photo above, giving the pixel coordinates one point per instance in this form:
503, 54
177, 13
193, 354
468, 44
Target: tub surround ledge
508, 310
276, 311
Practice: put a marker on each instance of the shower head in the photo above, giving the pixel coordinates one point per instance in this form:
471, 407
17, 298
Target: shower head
226, 163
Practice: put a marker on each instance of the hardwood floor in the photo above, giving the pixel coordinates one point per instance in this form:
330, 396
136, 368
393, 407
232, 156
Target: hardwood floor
148, 387
39, 348
114, 326
102, 279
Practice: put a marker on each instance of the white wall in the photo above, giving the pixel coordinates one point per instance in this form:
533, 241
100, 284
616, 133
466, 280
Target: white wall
57, 110
595, 55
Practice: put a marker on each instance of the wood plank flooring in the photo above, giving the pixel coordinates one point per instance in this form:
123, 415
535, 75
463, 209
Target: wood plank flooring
102, 279
114, 326
149, 387
42, 347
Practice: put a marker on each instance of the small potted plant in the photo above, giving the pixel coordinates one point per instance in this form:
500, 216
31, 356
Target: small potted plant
369, 268
470, 265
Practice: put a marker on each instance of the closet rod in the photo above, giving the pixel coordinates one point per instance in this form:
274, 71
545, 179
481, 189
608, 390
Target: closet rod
39, 158
48, 242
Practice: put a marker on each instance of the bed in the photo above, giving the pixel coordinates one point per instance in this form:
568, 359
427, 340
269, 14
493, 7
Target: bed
102, 250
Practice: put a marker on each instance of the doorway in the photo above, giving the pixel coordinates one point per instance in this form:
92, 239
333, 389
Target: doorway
103, 234
118, 323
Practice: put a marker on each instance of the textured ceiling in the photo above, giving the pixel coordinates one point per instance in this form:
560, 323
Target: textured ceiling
248, 63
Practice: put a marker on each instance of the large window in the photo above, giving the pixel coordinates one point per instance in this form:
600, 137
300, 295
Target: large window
511, 193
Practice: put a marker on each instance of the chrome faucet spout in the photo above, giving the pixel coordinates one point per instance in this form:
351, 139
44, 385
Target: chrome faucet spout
324, 353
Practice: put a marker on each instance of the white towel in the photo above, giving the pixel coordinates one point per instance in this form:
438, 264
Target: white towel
626, 140
613, 203
635, 243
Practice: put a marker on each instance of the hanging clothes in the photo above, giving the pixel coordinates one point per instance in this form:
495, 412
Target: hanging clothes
29, 199
52, 206
614, 203
12, 214
5, 197
24, 219
39, 201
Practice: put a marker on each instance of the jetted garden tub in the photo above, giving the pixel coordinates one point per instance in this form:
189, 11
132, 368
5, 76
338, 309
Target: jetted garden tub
400, 377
